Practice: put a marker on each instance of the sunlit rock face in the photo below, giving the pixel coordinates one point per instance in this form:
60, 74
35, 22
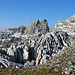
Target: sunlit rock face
37, 26
31, 45
68, 25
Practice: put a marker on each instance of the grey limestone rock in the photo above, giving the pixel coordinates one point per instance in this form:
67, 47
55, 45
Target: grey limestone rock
12, 53
67, 72
37, 26
27, 63
32, 45
21, 29
51, 45
67, 26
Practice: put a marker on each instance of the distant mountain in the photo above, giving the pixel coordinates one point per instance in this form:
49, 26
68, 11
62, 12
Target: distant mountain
67, 26
37, 26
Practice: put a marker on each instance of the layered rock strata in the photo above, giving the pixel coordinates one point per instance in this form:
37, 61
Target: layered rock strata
67, 26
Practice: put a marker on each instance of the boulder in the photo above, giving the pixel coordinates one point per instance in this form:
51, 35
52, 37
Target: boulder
27, 64
25, 53
11, 52
32, 62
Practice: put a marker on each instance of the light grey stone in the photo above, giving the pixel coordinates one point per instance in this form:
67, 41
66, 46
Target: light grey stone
67, 72
32, 62
37, 26
27, 63
66, 26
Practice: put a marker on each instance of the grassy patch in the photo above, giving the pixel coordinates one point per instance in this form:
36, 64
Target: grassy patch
44, 71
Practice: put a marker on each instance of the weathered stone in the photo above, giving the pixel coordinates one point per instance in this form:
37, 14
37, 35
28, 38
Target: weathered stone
67, 72
37, 26
33, 44
67, 26
12, 54
32, 62
27, 63
21, 29
25, 53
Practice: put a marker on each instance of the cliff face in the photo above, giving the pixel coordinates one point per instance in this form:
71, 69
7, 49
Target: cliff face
67, 26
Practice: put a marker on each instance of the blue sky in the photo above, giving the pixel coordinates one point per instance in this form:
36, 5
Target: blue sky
14, 13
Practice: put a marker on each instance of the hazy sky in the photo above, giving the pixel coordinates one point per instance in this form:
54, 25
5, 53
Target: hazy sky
14, 13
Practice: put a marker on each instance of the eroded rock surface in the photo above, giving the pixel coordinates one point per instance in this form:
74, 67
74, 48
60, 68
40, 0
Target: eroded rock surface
33, 45
37, 26
67, 26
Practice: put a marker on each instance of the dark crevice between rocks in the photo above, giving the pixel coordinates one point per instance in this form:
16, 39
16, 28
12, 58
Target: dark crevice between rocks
19, 59
41, 56
31, 54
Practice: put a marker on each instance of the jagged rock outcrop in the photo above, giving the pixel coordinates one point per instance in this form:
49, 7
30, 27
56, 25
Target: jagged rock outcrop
50, 44
21, 29
37, 26
11, 31
11, 35
20, 53
6, 34
32, 45
40, 49
67, 26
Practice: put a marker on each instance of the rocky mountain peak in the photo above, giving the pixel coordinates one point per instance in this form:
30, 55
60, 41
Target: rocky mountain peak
68, 25
21, 29
34, 23
37, 26
43, 20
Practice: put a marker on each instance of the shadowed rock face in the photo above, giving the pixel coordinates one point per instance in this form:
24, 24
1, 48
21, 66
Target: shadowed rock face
37, 26
68, 25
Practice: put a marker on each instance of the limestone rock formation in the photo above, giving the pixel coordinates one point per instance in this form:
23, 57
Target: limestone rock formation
68, 25
21, 29
32, 45
50, 44
37, 26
